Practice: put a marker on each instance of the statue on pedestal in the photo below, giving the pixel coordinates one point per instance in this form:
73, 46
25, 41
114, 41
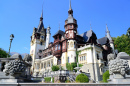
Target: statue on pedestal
118, 67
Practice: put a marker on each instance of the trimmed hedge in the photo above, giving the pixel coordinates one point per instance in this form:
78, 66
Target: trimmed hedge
82, 78
106, 76
47, 79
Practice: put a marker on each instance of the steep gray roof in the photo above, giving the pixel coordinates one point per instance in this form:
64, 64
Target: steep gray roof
86, 35
108, 34
40, 26
71, 19
103, 40
59, 32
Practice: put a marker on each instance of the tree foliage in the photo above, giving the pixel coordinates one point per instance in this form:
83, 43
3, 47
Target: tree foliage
71, 66
3, 53
122, 43
106, 76
55, 68
128, 32
82, 78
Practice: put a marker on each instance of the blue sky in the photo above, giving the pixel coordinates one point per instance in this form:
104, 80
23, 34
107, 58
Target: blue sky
19, 17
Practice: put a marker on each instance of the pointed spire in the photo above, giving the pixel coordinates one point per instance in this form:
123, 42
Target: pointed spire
70, 6
42, 13
107, 31
70, 9
41, 18
108, 34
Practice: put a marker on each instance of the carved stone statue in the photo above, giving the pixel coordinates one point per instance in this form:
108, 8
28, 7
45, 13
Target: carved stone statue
18, 67
27, 58
118, 67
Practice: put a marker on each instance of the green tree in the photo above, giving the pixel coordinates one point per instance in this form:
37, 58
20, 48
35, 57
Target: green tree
82, 78
3, 53
128, 32
106, 76
55, 68
71, 66
122, 43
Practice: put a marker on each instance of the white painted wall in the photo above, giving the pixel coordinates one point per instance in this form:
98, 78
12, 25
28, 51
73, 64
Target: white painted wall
71, 52
63, 58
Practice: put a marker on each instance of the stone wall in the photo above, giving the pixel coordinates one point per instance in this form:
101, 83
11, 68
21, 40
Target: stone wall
63, 84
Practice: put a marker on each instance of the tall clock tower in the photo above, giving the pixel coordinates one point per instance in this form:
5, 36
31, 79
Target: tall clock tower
37, 41
70, 33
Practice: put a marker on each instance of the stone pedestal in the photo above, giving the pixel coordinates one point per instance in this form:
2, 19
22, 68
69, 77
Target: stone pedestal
2, 81
119, 81
8, 79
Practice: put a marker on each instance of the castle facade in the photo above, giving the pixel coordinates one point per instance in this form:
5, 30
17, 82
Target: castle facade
92, 52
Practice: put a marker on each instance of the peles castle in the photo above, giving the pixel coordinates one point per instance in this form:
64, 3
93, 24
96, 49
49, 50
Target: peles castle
92, 52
